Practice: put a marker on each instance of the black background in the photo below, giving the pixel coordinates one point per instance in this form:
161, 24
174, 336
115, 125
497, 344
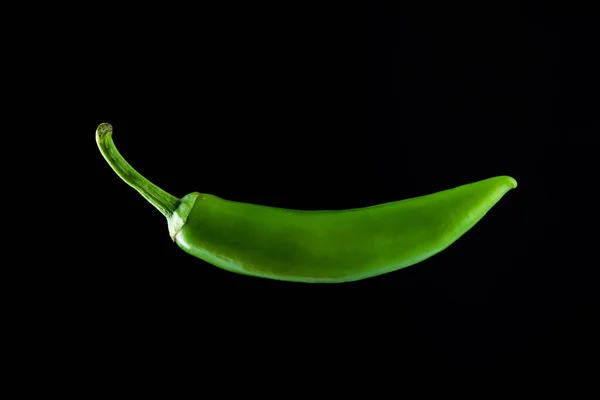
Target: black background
332, 109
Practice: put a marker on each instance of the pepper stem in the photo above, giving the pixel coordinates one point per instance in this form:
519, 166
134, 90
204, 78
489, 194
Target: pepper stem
163, 201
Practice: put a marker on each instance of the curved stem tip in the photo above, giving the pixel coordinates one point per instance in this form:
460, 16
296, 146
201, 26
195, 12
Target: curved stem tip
163, 201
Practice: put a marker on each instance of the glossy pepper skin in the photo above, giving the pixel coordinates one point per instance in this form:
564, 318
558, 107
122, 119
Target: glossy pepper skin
322, 246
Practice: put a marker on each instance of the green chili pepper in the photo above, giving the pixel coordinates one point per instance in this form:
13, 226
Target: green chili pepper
313, 246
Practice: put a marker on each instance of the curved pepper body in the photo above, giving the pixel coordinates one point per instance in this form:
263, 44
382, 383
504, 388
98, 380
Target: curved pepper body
313, 246
333, 246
